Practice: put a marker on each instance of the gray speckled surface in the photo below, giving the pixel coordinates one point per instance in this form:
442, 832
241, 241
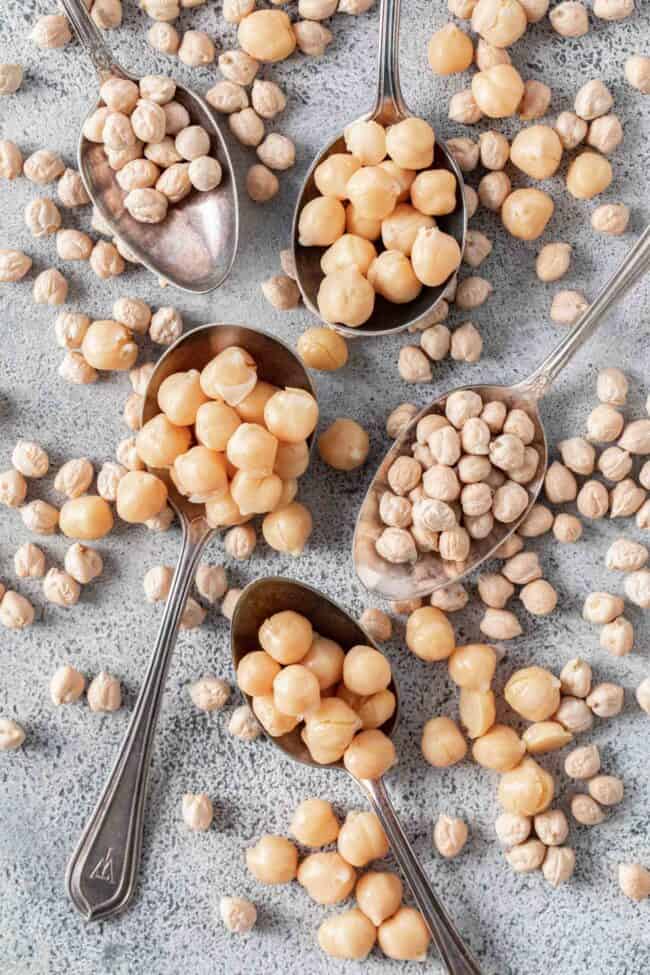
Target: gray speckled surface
516, 924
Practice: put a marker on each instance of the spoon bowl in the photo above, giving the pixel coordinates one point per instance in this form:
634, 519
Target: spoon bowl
194, 247
262, 599
390, 108
112, 839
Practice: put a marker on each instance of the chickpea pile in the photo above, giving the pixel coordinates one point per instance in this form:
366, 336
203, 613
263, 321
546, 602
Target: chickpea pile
148, 138
382, 188
339, 698
331, 877
236, 444
467, 471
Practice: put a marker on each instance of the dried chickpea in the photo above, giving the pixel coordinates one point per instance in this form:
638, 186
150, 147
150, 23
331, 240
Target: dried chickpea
494, 189
463, 108
512, 829
465, 152
606, 700
539, 597
570, 19
442, 742
413, 365
312, 37
527, 856
634, 881
535, 100
637, 72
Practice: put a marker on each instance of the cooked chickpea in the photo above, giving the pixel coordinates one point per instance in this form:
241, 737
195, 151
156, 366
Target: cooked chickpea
88, 517
346, 297
450, 50
527, 789
256, 673
344, 445
403, 177
356, 223
366, 140
560, 485
442, 742
199, 474
404, 936
362, 839
347, 935
370, 754
537, 151
526, 212
477, 711
366, 670
286, 636
332, 175
373, 193
433, 192
588, 175
273, 860
570, 19
329, 729
410, 143
322, 348
160, 442
435, 256
498, 90
291, 415
429, 634
493, 190
140, 496
322, 221
314, 823
326, 877
252, 449
348, 249
261, 184
180, 396
379, 895
637, 72
534, 693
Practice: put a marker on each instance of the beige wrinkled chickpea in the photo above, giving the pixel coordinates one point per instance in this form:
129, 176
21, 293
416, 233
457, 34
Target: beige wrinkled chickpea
605, 133
472, 292
463, 108
567, 528
449, 835
281, 292
625, 499
574, 715
465, 152
42, 217
512, 829
67, 685
613, 9
268, 99
634, 881
500, 624
527, 789
567, 307
436, 342
553, 261
238, 914
104, 693
604, 424
83, 564
29, 562
539, 597
636, 437
197, 811
535, 100
12, 735
559, 865
14, 265
583, 763
606, 789
602, 607
611, 218
166, 326
227, 97
637, 587
560, 485
537, 522
586, 810
527, 856
637, 72
488, 56
606, 700
570, 19
50, 288
642, 695
164, 38
210, 694
451, 599
74, 369
11, 160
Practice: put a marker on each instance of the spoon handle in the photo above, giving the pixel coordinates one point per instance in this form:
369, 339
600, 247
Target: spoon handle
102, 872
635, 265
88, 35
389, 106
455, 955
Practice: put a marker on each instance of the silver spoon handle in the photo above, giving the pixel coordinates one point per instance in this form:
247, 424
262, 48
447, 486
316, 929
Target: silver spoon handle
635, 265
89, 35
455, 955
102, 872
389, 93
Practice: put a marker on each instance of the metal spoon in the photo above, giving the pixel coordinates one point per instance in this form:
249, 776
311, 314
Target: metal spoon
405, 581
195, 245
102, 872
389, 108
260, 600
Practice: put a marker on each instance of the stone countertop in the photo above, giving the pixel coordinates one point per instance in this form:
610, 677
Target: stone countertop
517, 925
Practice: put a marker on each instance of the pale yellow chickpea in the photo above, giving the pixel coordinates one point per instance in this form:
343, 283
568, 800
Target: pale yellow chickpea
499, 22
366, 670
296, 690
450, 50
588, 175
527, 789
404, 936
215, 424
400, 228
349, 935
526, 212
322, 348
472, 666
231, 376
435, 256
322, 221
88, 517
500, 748
362, 839
251, 408
366, 139
329, 729
222, 512
370, 754
286, 636
379, 895
537, 151
346, 297
348, 249
429, 634
434, 192
332, 175
109, 345
325, 660
404, 177
140, 496
287, 529
356, 223
160, 442
180, 396
373, 193
314, 823
534, 693
200, 474
498, 90
344, 445
392, 276
377, 709
252, 448
291, 415
410, 144
291, 460
273, 860
256, 495
274, 722
443, 743
256, 673
326, 877
266, 35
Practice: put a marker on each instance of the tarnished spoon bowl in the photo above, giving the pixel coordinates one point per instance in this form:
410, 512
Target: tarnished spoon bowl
262, 599
112, 839
390, 108
194, 247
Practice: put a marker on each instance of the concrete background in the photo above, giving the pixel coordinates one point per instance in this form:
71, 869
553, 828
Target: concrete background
517, 925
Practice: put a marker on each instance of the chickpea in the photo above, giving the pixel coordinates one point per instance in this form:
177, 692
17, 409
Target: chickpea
512, 829
433, 192
571, 129
435, 255
605, 133
392, 276
634, 881
583, 763
11, 160
327, 878
348, 249
311, 37
274, 722
196, 49
442, 742
370, 754
615, 464
256, 673
413, 365
534, 693
266, 35
29, 562
379, 895
50, 286
16, 612
588, 175
291, 460
606, 700
344, 445
291, 415
314, 823
498, 90
346, 297
570, 19
450, 50
356, 223
322, 348
43, 167
164, 38
637, 72
160, 442
180, 396
227, 97
347, 935
642, 695
273, 860
537, 151
500, 22
537, 522
252, 449
403, 177
574, 715
199, 474
372, 192
140, 496
12, 735
535, 100
367, 141
286, 636
268, 101
586, 811
329, 729
322, 221
493, 190
410, 143
487, 55
88, 517
527, 789
296, 690
362, 839
527, 856
526, 212
606, 789
366, 670
477, 712
404, 936
463, 108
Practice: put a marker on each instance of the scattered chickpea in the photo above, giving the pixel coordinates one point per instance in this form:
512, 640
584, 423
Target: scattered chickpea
12, 735
16, 612
449, 835
570, 19
83, 564
527, 789
606, 700
348, 935
637, 72
634, 881
586, 810
575, 678
558, 865
512, 829
527, 856
104, 693
67, 685
642, 695
197, 811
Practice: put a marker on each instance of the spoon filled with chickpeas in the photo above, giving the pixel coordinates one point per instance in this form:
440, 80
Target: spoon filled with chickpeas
326, 696
228, 419
466, 470
379, 226
157, 169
